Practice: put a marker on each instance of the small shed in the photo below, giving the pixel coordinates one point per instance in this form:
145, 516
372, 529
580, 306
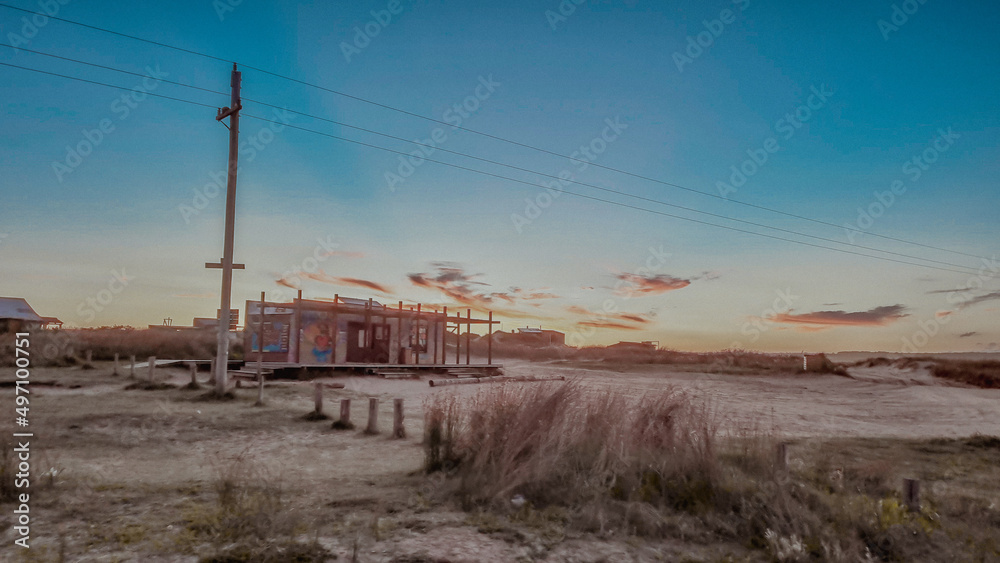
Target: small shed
348, 332
16, 315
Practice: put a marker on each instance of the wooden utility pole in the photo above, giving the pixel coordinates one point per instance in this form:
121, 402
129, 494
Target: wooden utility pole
260, 353
233, 113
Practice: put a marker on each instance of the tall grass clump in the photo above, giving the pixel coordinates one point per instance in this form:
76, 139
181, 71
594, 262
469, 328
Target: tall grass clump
250, 519
558, 444
658, 464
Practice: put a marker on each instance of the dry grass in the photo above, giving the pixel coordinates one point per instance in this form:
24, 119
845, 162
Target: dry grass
66, 347
659, 466
984, 374
558, 444
726, 361
250, 521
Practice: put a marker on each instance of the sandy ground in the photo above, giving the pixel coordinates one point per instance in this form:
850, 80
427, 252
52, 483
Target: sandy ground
100, 439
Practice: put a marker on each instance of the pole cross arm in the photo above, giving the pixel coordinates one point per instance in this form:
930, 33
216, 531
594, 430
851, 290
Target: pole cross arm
226, 112
219, 265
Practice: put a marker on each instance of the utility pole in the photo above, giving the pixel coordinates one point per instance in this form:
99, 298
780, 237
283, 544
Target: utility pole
222, 354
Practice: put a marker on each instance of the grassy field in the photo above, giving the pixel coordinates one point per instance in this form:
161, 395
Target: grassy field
575, 471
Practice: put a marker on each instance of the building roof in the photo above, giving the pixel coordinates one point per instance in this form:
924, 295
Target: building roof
17, 308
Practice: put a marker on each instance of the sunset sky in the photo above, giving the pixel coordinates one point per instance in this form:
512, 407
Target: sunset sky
876, 120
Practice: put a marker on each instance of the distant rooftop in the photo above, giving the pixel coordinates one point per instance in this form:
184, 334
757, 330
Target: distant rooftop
17, 308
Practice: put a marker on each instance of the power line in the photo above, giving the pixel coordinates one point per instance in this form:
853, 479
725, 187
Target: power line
109, 85
481, 172
488, 135
593, 186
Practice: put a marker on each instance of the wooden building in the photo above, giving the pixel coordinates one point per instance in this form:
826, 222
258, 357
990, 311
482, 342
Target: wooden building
353, 333
16, 316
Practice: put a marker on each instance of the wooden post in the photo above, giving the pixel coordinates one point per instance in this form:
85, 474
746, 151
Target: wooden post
458, 337
372, 416
345, 412
911, 494
115, 372
260, 354
194, 373
468, 335
417, 348
397, 420
318, 398
90, 356
444, 337
781, 457
131, 369
335, 337
152, 366
489, 342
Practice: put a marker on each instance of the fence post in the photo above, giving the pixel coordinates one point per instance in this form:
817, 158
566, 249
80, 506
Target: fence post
194, 373
398, 430
372, 416
131, 369
318, 398
781, 457
90, 356
152, 366
911, 494
115, 371
345, 412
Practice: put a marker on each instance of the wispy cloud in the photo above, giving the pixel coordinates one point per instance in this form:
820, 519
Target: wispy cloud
321, 276
820, 320
619, 320
967, 334
463, 288
651, 284
609, 324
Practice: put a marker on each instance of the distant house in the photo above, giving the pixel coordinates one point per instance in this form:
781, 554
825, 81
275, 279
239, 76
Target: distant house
16, 315
536, 337
644, 345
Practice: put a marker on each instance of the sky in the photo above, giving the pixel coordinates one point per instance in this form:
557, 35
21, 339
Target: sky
872, 128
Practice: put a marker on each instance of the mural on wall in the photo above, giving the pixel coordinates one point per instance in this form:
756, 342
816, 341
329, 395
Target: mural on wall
275, 334
317, 338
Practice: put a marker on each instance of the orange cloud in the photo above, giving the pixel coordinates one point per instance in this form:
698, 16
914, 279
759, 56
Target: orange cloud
324, 277
609, 324
649, 284
820, 320
625, 321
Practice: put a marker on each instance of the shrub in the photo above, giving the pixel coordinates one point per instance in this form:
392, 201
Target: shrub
560, 443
